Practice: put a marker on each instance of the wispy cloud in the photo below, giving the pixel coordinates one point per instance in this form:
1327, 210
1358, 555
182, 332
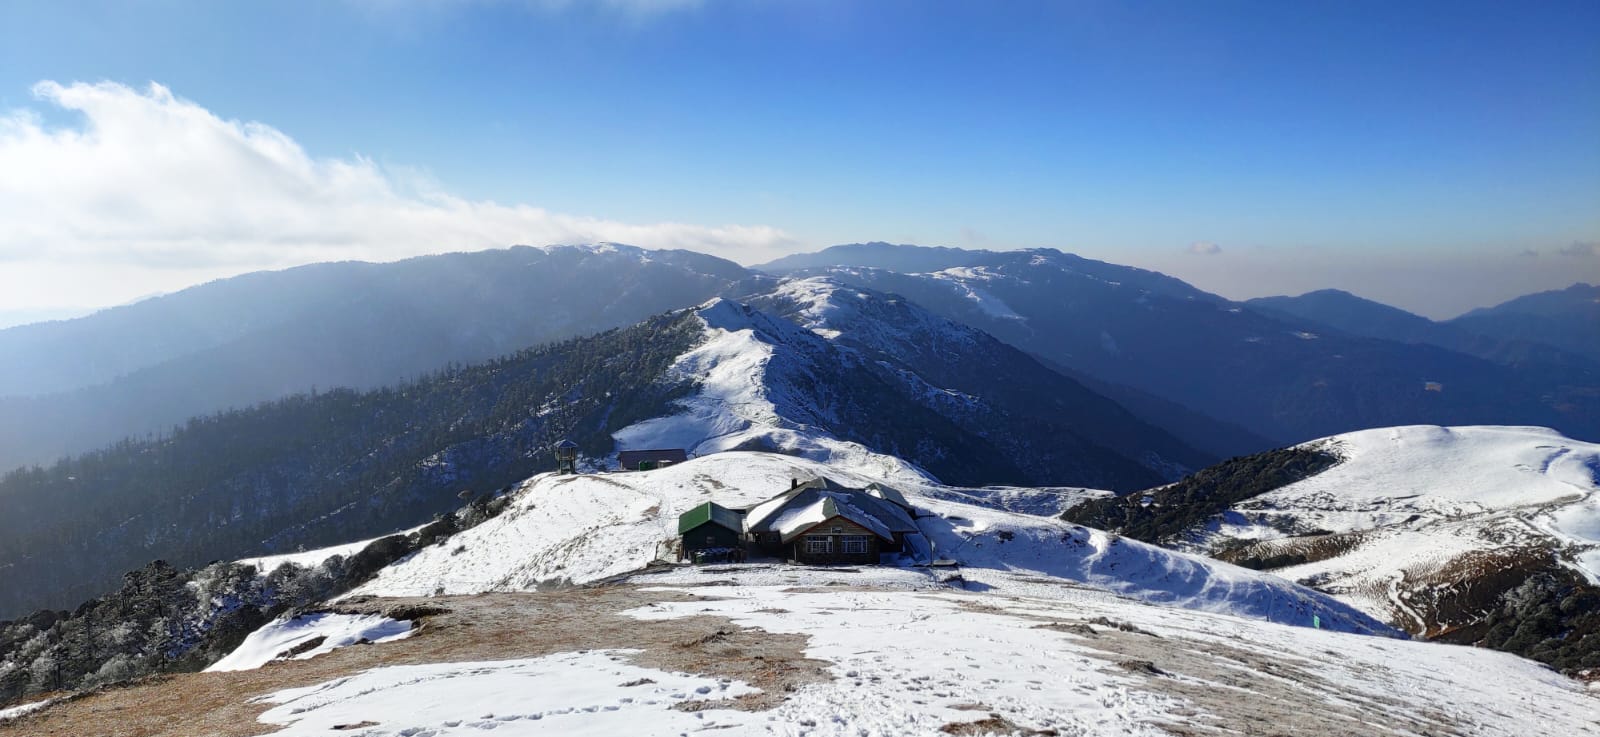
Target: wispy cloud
149, 179
1581, 249
1204, 248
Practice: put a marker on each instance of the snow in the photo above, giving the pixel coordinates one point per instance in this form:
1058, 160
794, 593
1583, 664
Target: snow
283, 634
748, 369
563, 694
800, 518
313, 558
792, 513
1049, 501
22, 710
585, 528
594, 527
907, 657
1449, 470
901, 669
963, 277
1427, 497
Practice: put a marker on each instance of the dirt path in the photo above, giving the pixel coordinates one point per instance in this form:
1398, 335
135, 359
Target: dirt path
470, 628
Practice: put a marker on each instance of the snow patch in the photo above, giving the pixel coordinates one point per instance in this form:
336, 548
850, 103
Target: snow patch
22, 710
284, 634
577, 694
962, 278
313, 558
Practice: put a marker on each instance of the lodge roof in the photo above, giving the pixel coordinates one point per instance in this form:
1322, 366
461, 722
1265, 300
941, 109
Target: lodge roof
631, 458
800, 509
713, 513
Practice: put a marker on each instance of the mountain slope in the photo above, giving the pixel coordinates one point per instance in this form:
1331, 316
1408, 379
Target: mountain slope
1346, 312
877, 255
909, 259
1350, 314
70, 386
316, 469
312, 469
1567, 318
1283, 380
953, 360
581, 529
1446, 532
770, 384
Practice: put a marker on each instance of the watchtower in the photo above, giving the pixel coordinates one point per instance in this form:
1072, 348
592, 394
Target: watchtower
566, 457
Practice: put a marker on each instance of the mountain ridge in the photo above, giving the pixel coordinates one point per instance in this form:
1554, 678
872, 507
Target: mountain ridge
313, 468
266, 335
1282, 380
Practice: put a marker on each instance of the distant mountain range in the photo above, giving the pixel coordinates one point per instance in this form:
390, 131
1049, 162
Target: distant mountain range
75, 385
1025, 368
1269, 370
1560, 328
312, 469
1226, 378
1568, 319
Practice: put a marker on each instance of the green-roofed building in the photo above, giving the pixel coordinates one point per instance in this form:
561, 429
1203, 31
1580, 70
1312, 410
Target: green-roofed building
710, 526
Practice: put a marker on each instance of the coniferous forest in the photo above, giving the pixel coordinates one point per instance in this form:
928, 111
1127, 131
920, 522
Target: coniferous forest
325, 467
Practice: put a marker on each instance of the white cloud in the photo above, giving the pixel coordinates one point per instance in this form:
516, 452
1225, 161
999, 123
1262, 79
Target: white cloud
156, 189
1205, 248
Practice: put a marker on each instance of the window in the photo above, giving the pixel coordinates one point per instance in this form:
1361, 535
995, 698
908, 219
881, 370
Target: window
819, 544
836, 529
853, 544
710, 539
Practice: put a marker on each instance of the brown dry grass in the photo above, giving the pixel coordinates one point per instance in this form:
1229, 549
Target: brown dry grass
474, 628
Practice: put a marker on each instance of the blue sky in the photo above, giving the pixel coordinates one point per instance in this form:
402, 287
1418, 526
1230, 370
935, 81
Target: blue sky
1364, 145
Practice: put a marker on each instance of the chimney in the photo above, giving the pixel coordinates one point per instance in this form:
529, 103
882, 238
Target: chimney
794, 483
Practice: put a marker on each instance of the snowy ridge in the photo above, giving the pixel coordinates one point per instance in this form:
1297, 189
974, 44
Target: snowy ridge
752, 371
965, 279
1412, 503
577, 529
1052, 427
831, 309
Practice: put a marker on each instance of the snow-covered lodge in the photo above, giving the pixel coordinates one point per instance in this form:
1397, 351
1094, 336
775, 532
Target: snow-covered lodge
817, 521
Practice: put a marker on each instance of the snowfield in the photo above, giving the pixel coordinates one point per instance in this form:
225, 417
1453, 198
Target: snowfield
1415, 503
906, 657
566, 694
